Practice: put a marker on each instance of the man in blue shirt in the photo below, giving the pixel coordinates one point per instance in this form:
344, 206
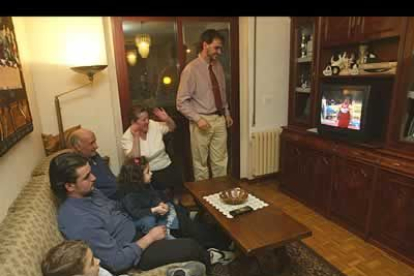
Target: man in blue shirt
87, 214
83, 141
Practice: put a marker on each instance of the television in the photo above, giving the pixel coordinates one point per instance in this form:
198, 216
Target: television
350, 112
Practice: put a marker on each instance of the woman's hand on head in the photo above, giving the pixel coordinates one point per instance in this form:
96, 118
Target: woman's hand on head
161, 114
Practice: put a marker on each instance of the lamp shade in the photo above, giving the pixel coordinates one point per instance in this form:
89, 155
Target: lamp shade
131, 57
90, 70
143, 42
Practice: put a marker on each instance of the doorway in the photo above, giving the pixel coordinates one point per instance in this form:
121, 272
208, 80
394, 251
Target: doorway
151, 52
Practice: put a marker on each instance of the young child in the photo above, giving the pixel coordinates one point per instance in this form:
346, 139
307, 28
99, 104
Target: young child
71, 258
75, 258
141, 201
148, 209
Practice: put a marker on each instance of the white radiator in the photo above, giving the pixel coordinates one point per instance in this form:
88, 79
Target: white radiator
265, 152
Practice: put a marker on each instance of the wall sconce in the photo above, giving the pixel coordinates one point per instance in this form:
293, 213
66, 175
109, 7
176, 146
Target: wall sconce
90, 71
132, 57
166, 80
143, 42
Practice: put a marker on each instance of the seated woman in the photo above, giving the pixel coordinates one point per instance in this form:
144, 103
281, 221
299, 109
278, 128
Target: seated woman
148, 208
145, 137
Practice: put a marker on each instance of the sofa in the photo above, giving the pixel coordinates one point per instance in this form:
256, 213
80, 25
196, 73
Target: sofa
30, 228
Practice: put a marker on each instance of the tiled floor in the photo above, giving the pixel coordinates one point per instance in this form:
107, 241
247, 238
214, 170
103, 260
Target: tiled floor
346, 251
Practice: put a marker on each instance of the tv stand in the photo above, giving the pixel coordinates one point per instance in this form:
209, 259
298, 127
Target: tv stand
369, 145
367, 187
360, 186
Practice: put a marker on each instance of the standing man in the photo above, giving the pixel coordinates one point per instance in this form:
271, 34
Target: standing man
201, 97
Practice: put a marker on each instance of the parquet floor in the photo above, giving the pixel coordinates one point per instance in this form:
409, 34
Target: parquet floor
341, 248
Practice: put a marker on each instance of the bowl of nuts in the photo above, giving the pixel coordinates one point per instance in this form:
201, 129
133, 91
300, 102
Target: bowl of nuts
234, 196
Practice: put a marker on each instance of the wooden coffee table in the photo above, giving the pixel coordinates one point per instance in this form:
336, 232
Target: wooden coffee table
260, 235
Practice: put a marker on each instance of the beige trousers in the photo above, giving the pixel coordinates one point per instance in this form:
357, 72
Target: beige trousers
211, 142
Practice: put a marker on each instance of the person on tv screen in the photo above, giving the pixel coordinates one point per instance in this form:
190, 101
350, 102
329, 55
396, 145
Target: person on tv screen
344, 114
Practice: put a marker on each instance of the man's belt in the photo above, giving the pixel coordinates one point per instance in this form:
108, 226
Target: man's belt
220, 113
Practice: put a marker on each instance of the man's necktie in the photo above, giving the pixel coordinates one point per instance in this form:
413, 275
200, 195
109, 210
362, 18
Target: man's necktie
216, 90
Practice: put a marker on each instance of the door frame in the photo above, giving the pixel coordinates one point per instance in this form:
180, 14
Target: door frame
123, 83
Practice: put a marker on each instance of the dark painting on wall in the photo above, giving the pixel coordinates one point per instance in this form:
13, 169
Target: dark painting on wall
15, 118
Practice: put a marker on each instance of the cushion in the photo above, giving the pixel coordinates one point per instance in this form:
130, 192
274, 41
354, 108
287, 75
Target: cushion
51, 142
30, 228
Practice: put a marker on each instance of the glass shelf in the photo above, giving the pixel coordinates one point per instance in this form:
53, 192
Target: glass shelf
385, 76
303, 90
302, 62
307, 59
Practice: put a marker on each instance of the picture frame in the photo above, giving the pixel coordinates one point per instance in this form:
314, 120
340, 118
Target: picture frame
15, 116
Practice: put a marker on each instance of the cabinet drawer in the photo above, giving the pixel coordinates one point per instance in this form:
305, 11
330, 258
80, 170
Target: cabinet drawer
403, 166
363, 155
310, 141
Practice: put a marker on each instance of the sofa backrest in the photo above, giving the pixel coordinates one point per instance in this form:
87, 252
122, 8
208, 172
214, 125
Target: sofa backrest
30, 227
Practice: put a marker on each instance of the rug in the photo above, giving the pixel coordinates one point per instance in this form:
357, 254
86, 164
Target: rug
304, 261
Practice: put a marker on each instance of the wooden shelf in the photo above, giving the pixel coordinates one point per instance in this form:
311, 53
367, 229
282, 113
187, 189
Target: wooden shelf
380, 76
307, 59
303, 90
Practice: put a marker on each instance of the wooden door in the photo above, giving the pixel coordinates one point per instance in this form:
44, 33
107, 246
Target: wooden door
375, 27
153, 79
321, 180
190, 29
337, 30
393, 220
351, 192
293, 168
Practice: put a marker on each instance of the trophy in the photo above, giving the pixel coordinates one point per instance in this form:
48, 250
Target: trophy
303, 45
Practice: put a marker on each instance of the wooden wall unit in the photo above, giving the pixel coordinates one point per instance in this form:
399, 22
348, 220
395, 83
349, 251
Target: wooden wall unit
354, 29
368, 188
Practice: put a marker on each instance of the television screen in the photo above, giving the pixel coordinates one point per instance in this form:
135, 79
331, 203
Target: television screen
342, 106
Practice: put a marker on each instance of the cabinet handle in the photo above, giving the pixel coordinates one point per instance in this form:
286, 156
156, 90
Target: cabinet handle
325, 161
364, 174
352, 23
359, 21
396, 164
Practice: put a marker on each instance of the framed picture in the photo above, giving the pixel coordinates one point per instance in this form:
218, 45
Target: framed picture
15, 117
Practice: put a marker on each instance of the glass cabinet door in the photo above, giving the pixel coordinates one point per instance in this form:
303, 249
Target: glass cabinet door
401, 119
303, 66
152, 63
151, 52
407, 126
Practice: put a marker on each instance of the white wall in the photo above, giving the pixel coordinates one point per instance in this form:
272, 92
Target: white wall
58, 43
46, 49
17, 164
272, 78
